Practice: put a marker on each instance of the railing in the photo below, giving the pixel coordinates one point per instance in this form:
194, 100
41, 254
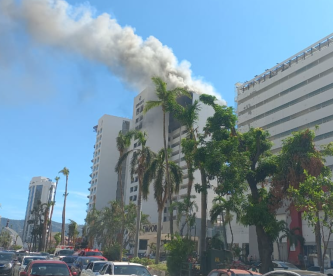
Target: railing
286, 64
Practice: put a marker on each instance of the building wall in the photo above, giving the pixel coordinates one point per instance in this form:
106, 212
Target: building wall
293, 95
40, 188
103, 183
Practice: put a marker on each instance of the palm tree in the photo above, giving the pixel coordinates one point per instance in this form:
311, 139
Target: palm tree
293, 236
166, 100
141, 160
65, 172
281, 226
52, 207
157, 173
45, 224
222, 205
123, 142
72, 231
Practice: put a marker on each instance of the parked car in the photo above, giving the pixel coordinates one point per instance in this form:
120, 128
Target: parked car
69, 260
7, 260
93, 268
232, 272
46, 267
279, 265
293, 273
82, 262
25, 261
123, 268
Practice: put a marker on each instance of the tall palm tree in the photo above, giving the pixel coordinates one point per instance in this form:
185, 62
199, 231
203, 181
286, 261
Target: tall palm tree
166, 100
141, 160
45, 224
65, 172
157, 173
188, 116
52, 207
123, 141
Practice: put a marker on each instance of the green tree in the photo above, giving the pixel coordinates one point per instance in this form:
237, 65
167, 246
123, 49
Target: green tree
140, 162
72, 231
301, 162
57, 238
52, 208
314, 197
5, 239
65, 172
215, 156
166, 100
156, 173
123, 141
45, 223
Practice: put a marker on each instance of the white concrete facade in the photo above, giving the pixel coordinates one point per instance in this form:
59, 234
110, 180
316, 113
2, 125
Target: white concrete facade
152, 124
294, 95
103, 183
40, 189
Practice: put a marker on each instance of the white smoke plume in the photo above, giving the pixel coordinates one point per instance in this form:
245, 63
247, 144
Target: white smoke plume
102, 39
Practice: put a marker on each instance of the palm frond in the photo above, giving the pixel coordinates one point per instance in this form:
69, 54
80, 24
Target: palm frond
150, 105
122, 159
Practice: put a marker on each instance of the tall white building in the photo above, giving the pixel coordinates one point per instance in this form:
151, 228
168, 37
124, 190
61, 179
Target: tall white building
294, 95
103, 183
152, 124
41, 189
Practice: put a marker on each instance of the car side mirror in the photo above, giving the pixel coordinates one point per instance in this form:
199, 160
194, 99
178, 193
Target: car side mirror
74, 273
23, 273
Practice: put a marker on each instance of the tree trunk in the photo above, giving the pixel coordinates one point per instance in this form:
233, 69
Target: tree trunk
64, 215
159, 232
265, 246
232, 236
318, 243
167, 174
121, 236
46, 216
203, 217
138, 221
224, 232
50, 225
278, 248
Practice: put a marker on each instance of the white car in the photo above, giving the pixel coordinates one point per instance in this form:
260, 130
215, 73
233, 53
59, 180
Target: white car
123, 268
93, 268
279, 265
293, 273
25, 261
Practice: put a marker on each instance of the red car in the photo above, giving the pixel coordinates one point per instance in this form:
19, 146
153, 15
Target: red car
47, 268
90, 253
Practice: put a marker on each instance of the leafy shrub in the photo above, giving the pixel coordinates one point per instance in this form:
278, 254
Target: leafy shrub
112, 253
180, 249
143, 261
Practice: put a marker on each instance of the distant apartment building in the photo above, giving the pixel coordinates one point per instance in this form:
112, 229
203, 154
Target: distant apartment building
104, 179
41, 189
294, 95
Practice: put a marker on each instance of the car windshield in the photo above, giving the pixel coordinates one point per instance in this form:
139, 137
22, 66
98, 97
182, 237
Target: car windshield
93, 253
130, 269
97, 266
49, 269
6, 256
66, 252
28, 260
68, 259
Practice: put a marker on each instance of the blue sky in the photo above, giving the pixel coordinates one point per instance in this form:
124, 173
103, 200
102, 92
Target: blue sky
50, 98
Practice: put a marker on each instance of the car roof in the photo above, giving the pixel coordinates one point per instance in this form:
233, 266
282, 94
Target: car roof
123, 263
237, 271
47, 261
95, 262
34, 256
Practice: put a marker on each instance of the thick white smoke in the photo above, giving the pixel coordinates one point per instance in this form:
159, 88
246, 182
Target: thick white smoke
102, 39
